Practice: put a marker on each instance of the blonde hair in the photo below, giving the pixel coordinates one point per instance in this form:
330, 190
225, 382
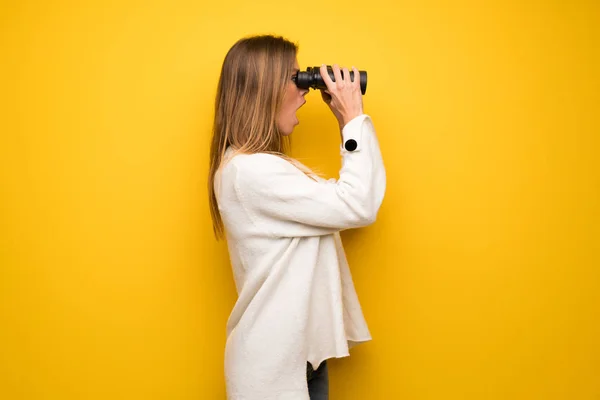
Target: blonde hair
251, 87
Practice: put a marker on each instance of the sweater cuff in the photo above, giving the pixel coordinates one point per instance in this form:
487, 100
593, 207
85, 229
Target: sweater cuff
352, 135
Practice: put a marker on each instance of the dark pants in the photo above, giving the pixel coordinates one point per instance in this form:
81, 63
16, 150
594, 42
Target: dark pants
318, 381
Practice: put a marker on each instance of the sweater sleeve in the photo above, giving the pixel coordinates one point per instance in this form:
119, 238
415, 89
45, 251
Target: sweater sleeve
283, 202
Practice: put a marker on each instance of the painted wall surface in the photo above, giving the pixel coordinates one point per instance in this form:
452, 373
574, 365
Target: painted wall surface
480, 280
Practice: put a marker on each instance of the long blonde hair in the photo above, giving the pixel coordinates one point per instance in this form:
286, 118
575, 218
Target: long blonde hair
251, 87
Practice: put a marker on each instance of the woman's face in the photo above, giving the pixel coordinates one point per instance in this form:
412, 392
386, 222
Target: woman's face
293, 99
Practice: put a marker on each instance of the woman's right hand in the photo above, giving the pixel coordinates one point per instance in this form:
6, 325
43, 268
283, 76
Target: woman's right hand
343, 96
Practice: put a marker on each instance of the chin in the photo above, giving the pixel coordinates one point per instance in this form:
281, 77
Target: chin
288, 130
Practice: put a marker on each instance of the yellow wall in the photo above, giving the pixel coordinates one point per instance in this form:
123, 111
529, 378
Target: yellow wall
479, 281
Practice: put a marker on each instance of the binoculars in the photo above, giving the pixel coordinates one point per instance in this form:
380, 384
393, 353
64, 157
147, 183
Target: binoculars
311, 78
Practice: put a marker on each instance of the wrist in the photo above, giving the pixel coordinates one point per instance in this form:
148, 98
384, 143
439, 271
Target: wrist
350, 117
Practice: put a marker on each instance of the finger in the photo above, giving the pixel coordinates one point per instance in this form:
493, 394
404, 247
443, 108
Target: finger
326, 78
347, 75
337, 75
356, 76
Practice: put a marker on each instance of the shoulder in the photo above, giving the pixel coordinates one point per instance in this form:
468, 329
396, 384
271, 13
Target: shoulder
257, 159
260, 165
259, 172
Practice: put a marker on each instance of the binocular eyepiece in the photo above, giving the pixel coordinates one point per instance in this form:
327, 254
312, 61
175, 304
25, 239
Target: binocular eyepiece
311, 78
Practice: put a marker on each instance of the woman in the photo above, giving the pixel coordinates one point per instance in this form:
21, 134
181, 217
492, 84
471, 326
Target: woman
297, 305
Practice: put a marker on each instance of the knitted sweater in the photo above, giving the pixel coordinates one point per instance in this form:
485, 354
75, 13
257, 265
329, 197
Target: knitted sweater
296, 298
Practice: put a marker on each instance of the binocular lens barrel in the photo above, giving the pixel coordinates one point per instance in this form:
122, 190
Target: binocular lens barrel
311, 78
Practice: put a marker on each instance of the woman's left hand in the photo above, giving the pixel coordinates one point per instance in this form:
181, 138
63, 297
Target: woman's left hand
327, 99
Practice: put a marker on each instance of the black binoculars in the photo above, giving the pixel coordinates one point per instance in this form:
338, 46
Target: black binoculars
311, 78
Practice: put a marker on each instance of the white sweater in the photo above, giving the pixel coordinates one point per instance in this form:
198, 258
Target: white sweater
296, 299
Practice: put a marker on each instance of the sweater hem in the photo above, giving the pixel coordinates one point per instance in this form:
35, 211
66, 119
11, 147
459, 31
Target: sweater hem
354, 342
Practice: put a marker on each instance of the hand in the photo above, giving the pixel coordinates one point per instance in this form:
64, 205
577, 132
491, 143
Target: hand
327, 99
343, 96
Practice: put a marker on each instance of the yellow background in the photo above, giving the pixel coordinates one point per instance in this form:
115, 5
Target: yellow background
480, 280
